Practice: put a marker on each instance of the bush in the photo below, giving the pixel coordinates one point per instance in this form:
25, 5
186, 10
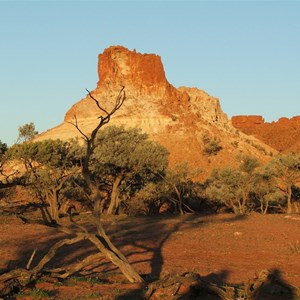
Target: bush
211, 145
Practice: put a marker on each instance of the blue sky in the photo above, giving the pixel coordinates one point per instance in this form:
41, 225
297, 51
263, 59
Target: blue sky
246, 53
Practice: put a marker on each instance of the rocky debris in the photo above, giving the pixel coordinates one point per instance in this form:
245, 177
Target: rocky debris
283, 135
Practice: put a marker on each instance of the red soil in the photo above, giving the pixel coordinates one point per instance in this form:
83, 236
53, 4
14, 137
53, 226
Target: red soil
221, 248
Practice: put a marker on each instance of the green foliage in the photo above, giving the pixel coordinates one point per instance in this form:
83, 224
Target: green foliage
248, 164
265, 190
55, 154
49, 164
260, 148
3, 158
127, 160
175, 191
225, 186
233, 187
286, 169
3, 148
6, 176
148, 201
27, 132
91, 280
128, 151
287, 165
36, 294
249, 187
211, 145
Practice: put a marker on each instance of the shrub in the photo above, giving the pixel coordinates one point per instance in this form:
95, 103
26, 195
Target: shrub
211, 145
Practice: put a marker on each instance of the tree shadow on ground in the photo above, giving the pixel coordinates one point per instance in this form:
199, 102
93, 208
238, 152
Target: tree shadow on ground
273, 288
147, 236
65, 255
140, 238
179, 291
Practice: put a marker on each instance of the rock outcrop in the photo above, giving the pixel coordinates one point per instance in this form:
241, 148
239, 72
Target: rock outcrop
283, 135
146, 86
177, 118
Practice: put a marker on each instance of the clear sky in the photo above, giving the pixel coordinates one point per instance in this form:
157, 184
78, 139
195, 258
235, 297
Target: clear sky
246, 53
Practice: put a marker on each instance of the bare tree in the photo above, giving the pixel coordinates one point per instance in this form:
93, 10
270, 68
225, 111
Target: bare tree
102, 241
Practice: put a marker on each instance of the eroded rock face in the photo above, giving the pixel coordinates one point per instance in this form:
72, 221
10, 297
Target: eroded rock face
204, 105
283, 135
140, 73
176, 118
146, 86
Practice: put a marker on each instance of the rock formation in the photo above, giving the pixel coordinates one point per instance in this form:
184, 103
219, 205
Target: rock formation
146, 86
177, 118
283, 135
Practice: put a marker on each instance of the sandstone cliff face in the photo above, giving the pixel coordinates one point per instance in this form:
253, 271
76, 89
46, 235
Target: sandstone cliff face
147, 88
142, 74
205, 106
283, 135
177, 118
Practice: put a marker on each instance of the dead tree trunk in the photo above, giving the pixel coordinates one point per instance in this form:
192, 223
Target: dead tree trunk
102, 241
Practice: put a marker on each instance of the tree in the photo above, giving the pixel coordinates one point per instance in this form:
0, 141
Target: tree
128, 160
175, 190
8, 174
3, 160
101, 240
286, 169
265, 190
27, 132
3, 148
78, 232
178, 181
233, 186
49, 164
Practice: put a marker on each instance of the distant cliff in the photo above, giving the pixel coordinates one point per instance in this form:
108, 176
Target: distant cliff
283, 135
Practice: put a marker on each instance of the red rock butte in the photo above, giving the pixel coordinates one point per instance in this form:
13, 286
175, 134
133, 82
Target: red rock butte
119, 66
178, 118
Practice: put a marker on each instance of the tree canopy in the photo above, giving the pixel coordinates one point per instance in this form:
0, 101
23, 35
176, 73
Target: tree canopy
3, 148
27, 132
232, 187
127, 157
286, 169
49, 164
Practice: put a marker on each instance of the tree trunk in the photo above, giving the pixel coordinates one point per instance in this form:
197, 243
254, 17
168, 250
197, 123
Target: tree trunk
266, 207
179, 204
116, 257
102, 242
114, 198
289, 200
54, 206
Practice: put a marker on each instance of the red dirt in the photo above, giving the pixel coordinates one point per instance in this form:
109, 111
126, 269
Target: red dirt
221, 248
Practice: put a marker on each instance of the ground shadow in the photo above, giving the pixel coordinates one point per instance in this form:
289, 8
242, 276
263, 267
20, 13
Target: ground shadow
193, 291
141, 239
148, 235
275, 288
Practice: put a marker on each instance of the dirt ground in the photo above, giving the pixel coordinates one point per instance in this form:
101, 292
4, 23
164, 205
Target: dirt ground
222, 248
